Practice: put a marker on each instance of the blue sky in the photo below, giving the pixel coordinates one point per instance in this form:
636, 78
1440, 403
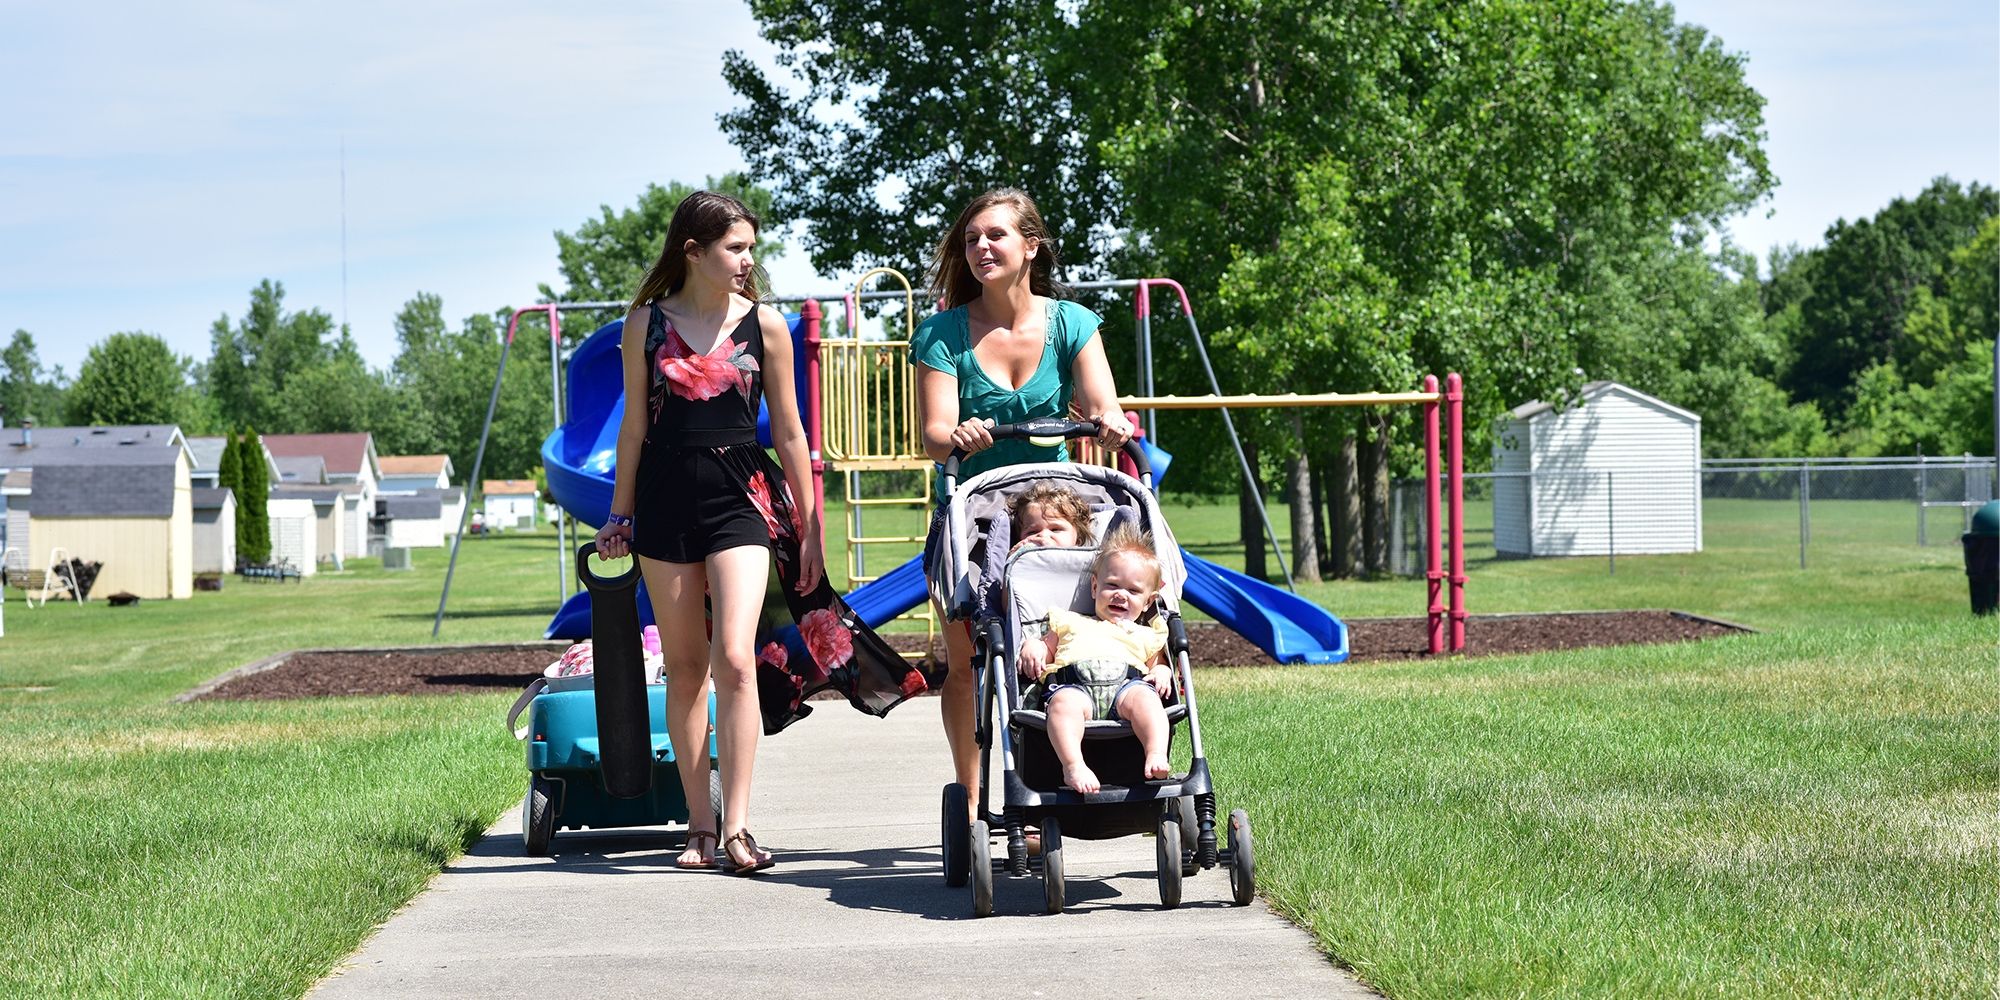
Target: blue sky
156, 161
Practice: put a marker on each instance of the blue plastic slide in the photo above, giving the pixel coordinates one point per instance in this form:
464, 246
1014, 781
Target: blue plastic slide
1288, 627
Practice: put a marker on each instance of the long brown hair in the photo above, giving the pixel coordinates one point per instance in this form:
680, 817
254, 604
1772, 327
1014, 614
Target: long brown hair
704, 217
951, 279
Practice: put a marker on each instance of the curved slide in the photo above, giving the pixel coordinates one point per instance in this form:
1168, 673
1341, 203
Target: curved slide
578, 459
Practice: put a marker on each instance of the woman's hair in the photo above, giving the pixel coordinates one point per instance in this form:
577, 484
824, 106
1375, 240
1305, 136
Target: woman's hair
1126, 538
951, 279
704, 217
1056, 500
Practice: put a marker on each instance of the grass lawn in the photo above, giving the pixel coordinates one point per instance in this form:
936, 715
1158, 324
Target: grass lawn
1803, 813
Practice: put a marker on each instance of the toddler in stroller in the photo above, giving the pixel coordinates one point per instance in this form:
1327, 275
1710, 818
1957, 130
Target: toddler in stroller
1003, 589
1108, 667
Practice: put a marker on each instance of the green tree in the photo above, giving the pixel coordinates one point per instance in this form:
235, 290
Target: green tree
1871, 275
229, 471
27, 390
128, 378
447, 378
254, 361
607, 257
253, 514
905, 112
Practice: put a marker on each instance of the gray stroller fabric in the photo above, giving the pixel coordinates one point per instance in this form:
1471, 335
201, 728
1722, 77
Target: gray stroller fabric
986, 531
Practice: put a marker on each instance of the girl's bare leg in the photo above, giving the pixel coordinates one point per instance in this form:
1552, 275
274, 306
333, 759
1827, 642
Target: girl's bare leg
1068, 710
961, 704
1140, 706
676, 590
736, 583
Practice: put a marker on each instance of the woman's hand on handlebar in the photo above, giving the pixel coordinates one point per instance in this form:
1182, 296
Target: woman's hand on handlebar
1117, 429
614, 541
972, 435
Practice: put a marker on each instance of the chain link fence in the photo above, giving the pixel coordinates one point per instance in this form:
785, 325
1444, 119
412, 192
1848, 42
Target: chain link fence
1741, 505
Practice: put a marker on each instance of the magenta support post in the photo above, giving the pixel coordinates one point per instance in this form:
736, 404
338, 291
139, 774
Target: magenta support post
1454, 394
1433, 552
811, 313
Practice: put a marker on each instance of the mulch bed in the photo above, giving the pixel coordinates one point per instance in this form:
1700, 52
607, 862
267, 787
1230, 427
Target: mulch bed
327, 674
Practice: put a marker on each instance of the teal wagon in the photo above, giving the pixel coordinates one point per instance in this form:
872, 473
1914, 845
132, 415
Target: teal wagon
566, 789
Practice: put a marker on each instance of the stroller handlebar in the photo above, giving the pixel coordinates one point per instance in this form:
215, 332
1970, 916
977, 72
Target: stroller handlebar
1049, 432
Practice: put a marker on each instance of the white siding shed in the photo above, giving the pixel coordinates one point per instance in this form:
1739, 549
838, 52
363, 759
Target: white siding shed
1617, 471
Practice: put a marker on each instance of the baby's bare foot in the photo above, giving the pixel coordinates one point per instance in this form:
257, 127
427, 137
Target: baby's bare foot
1157, 767
1081, 778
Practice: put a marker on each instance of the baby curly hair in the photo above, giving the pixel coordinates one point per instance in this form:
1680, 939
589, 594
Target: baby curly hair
1056, 500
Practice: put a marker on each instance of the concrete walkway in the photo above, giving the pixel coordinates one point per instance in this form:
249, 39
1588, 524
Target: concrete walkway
857, 906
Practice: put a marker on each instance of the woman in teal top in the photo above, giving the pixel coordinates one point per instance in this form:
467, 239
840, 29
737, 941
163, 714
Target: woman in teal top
1003, 350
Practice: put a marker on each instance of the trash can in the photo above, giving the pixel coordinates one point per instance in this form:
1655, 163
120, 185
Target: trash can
1982, 558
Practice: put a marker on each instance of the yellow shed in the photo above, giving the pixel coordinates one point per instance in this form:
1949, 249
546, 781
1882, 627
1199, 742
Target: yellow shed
130, 508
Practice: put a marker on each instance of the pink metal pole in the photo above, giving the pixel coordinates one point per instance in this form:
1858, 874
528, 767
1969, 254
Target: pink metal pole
1433, 551
1454, 394
810, 311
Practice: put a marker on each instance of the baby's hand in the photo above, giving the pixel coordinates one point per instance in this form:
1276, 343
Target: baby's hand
1160, 678
1034, 658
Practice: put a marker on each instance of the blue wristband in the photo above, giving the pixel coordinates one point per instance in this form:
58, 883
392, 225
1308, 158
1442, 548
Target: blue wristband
618, 519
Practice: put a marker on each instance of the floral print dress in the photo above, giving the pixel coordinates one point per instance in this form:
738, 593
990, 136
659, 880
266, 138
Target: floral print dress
700, 399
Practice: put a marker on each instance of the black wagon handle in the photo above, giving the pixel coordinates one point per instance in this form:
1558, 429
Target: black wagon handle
1048, 432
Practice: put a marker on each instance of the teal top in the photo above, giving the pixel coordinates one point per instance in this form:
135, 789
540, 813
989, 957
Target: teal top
943, 342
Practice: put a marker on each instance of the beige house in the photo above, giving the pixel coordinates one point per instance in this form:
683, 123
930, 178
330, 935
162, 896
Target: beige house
130, 508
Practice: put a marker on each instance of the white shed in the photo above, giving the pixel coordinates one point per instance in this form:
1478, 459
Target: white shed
1617, 471
294, 532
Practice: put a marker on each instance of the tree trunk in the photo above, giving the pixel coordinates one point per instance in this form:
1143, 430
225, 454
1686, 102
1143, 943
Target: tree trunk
1250, 521
1375, 498
1321, 521
1346, 504
1299, 494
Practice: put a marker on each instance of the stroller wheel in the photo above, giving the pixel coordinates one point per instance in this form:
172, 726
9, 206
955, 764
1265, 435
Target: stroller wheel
1167, 846
1190, 828
538, 817
1242, 858
956, 833
1052, 864
982, 870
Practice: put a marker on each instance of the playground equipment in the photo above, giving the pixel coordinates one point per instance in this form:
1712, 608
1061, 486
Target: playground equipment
859, 410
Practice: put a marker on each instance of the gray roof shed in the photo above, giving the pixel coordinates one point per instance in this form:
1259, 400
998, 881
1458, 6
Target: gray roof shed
136, 481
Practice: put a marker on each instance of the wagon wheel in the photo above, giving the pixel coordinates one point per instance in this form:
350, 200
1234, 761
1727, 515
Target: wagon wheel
538, 817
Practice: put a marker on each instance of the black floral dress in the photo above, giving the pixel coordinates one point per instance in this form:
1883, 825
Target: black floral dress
705, 484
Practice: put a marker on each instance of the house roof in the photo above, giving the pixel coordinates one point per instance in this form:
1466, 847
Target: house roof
509, 487
18, 479
25, 448
445, 494
137, 481
205, 456
415, 465
212, 497
316, 492
1535, 407
410, 507
345, 454
304, 470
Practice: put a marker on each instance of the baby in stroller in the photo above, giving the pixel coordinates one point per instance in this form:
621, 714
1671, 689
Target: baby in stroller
1112, 666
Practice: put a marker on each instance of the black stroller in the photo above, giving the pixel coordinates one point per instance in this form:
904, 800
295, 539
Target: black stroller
975, 579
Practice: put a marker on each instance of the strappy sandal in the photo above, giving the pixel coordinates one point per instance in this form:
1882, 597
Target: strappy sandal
694, 837
750, 845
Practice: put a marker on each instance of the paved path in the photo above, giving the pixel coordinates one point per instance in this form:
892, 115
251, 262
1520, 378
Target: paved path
856, 908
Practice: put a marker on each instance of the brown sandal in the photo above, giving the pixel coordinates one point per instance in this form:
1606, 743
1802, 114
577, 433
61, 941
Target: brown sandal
694, 837
750, 845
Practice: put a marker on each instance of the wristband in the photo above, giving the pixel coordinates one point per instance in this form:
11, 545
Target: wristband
620, 520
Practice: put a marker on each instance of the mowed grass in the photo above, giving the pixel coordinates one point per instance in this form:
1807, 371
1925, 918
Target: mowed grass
1809, 812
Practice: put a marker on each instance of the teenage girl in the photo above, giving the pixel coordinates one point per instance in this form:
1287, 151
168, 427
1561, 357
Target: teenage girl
706, 511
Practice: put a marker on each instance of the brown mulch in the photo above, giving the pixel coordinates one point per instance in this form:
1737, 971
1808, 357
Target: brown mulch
327, 674
323, 675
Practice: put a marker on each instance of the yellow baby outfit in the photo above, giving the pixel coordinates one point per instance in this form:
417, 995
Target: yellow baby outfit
1099, 658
